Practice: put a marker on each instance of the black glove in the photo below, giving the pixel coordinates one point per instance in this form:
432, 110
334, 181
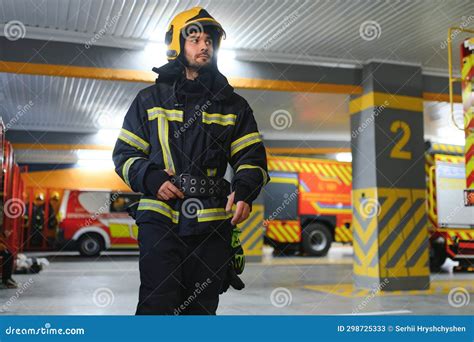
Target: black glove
231, 279
132, 209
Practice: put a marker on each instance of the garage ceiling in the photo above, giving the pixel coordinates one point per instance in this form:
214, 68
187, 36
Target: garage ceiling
270, 30
412, 31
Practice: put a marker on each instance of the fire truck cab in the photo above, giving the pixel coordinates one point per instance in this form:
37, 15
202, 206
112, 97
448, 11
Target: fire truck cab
93, 221
307, 204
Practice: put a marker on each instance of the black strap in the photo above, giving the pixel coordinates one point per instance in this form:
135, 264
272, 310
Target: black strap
197, 186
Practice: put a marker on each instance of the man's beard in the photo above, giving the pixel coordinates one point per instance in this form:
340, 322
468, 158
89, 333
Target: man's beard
207, 66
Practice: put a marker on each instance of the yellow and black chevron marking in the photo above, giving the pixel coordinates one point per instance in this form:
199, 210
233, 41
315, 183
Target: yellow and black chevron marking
289, 231
342, 234
326, 169
251, 237
441, 287
391, 239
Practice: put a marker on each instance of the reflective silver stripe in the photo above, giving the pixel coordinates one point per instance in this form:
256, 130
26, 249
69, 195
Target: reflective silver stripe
220, 119
163, 129
159, 207
163, 116
126, 169
212, 214
243, 142
134, 140
170, 114
248, 166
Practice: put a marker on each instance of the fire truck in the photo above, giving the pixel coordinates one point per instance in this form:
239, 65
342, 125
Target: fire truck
307, 204
93, 221
451, 222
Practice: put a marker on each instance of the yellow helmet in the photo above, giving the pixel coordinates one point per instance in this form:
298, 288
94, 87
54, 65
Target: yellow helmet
54, 196
39, 198
187, 22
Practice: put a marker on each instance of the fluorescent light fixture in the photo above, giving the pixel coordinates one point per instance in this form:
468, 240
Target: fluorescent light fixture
156, 53
98, 159
108, 136
226, 59
344, 157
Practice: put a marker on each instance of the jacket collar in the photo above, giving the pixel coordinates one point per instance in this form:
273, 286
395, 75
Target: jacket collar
172, 71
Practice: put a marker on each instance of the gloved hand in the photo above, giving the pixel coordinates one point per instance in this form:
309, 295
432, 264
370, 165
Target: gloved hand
238, 260
231, 279
236, 265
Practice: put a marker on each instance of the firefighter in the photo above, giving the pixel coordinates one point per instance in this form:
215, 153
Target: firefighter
177, 139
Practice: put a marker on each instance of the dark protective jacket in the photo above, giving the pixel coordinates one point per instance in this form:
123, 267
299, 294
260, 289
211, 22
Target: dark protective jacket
194, 127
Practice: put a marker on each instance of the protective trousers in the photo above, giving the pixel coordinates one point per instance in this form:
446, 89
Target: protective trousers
181, 275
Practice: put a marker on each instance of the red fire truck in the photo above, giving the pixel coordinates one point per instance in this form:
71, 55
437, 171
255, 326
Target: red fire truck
308, 204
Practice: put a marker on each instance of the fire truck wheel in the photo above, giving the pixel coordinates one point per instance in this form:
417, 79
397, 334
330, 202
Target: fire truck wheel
437, 256
90, 245
316, 239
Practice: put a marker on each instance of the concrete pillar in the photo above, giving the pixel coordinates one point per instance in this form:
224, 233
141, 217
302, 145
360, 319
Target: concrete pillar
391, 249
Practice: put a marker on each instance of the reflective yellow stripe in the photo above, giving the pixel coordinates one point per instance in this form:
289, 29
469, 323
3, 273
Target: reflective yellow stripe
243, 142
126, 169
211, 172
170, 114
248, 166
160, 207
220, 119
212, 214
133, 140
164, 115
163, 129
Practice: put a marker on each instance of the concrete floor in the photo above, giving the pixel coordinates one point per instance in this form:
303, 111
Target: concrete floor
72, 285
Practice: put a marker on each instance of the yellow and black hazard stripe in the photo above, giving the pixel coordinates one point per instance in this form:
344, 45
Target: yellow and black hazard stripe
390, 238
343, 234
252, 232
